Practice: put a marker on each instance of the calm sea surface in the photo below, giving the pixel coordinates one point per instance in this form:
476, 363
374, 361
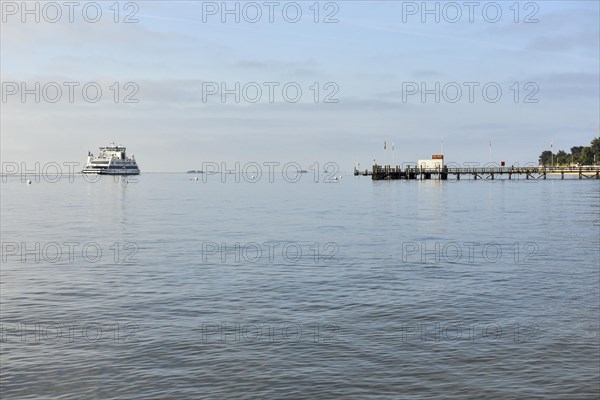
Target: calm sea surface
174, 288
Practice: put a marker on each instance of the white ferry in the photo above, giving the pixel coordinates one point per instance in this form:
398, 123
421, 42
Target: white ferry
111, 160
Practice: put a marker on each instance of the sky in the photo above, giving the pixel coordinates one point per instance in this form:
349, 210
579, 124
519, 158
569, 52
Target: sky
516, 75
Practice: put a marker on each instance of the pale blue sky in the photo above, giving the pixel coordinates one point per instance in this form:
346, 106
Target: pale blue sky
368, 54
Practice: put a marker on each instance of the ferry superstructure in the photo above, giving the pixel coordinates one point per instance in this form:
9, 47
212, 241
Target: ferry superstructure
111, 160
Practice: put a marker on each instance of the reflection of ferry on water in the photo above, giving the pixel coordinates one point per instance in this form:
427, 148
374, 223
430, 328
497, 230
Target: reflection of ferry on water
111, 160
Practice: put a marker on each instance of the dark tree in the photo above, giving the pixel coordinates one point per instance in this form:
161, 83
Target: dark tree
576, 150
545, 157
587, 156
562, 158
595, 149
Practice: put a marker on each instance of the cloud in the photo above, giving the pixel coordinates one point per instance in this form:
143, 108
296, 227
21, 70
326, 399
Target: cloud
586, 40
426, 73
307, 68
558, 87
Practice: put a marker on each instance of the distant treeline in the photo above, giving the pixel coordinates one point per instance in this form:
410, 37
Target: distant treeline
581, 155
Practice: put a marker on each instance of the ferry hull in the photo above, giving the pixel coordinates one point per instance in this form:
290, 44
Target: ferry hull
115, 172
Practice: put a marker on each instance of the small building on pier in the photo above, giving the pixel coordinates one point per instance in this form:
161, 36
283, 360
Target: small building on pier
434, 163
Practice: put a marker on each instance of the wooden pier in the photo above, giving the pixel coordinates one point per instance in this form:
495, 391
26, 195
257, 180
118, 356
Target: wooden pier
386, 172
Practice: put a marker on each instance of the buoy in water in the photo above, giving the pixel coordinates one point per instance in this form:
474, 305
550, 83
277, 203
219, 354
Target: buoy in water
196, 178
29, 182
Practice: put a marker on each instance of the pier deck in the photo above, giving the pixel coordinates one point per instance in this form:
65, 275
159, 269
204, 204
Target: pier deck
386, 172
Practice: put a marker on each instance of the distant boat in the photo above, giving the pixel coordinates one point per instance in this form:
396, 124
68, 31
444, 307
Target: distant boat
303, 171
195, 172
111, 160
